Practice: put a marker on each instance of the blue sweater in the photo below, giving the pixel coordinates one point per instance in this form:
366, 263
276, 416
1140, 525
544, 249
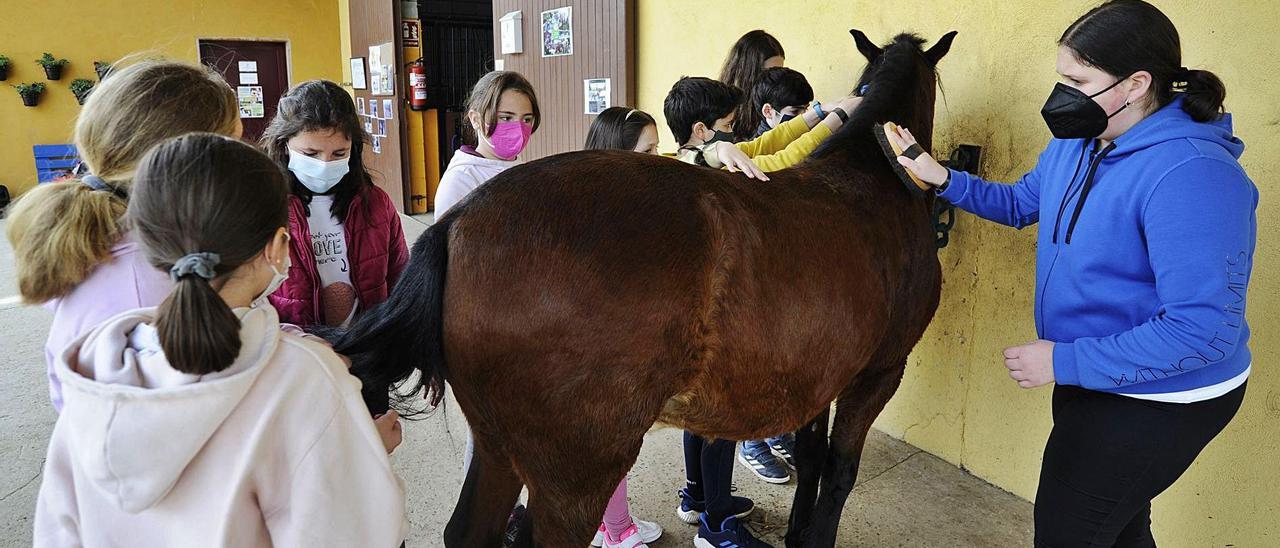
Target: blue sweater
1141, 287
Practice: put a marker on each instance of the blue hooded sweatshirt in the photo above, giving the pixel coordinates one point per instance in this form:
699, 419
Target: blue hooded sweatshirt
1143, 256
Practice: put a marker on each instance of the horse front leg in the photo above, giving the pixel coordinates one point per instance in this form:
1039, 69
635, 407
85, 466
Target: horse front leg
856, 409
811, 453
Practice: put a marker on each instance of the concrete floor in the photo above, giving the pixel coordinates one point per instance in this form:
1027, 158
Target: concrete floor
904, 497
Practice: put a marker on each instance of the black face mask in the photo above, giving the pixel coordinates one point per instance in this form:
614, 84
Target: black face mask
720, 136
1071, 114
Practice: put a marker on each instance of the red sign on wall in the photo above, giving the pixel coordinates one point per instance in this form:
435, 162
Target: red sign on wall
410, 31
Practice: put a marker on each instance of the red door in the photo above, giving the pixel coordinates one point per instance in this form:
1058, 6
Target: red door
258, 71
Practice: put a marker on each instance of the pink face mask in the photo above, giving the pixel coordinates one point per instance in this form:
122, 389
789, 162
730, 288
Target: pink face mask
509, 138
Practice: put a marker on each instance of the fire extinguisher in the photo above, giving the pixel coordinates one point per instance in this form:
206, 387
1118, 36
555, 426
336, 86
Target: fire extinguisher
417, 86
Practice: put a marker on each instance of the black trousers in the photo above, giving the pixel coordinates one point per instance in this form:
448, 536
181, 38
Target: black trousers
708, 469
1109, 455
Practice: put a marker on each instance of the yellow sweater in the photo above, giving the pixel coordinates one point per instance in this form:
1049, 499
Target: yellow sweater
778, 149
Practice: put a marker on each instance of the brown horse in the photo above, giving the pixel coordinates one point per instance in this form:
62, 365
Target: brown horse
575, 301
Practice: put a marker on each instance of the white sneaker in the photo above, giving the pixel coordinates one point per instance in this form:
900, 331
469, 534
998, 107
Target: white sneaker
649, 532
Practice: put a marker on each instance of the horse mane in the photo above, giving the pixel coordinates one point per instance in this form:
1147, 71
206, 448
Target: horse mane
890, 78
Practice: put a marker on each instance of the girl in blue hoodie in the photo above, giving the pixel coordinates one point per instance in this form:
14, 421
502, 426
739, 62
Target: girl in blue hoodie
1142, 263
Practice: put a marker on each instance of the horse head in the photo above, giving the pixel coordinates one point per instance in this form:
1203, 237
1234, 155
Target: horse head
899, 83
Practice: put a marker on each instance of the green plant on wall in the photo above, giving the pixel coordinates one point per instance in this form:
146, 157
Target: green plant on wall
4, 68
81, 87
30, 92
47, 61
103, 68
52, 66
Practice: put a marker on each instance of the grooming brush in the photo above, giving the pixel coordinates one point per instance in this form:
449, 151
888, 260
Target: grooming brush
892, 152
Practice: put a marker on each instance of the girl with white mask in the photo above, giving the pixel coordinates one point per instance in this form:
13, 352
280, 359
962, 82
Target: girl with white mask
348, 245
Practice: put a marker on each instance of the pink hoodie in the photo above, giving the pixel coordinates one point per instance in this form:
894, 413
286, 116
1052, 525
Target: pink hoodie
127, 282
278, 449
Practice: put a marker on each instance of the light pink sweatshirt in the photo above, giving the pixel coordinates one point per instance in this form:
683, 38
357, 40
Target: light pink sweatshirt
278, 449
127, 282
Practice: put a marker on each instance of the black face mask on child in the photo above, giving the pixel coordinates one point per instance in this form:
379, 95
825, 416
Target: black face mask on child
720, 136
1072, 114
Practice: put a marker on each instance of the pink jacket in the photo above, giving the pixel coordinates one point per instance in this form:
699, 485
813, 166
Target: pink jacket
125, 282
376, 250
277, 449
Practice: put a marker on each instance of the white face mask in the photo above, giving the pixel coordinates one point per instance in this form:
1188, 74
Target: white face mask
317, 175
276, 281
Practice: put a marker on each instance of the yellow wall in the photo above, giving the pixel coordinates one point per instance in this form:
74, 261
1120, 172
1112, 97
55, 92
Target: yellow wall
84, 32
957, 400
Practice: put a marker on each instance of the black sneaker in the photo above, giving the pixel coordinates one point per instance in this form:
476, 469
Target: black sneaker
690, 510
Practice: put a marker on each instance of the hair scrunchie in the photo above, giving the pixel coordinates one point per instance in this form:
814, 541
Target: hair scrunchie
199, 264
96, 184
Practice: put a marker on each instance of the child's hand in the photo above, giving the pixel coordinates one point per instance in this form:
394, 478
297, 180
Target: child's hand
735, 160
388, 426
848, 103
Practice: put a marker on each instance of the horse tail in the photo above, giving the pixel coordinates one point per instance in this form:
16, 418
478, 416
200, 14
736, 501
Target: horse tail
406, 332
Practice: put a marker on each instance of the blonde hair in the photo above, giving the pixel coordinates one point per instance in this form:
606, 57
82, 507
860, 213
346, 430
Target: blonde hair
61, 231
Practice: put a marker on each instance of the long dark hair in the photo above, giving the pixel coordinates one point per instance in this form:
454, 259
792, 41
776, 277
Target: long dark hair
1122, 37
319, 105
204, 193
742, 68
618, 128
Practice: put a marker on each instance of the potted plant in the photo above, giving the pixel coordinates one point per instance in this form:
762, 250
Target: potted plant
4, 68
30, 93
52, 67
81, 87
103, 68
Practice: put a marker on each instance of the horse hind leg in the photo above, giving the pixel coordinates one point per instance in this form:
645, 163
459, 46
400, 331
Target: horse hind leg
489, 491
810, 455
856, 409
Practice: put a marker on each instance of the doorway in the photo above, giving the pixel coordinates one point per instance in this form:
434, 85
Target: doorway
258, 71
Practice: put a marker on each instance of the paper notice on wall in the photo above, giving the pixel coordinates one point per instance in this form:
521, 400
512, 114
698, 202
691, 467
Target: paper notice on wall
250, 98
386, 109
382, 72
595, 93
247, 78
248, 66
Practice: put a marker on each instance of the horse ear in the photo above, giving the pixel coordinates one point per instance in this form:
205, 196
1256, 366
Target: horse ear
939, 50
865, 45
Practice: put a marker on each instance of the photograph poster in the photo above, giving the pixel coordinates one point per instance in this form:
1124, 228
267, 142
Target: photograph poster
557, 32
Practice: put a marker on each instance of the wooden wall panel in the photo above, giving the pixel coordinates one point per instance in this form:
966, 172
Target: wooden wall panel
376, 22
603, 47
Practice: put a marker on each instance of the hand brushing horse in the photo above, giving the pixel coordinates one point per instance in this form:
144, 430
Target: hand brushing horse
575, 301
